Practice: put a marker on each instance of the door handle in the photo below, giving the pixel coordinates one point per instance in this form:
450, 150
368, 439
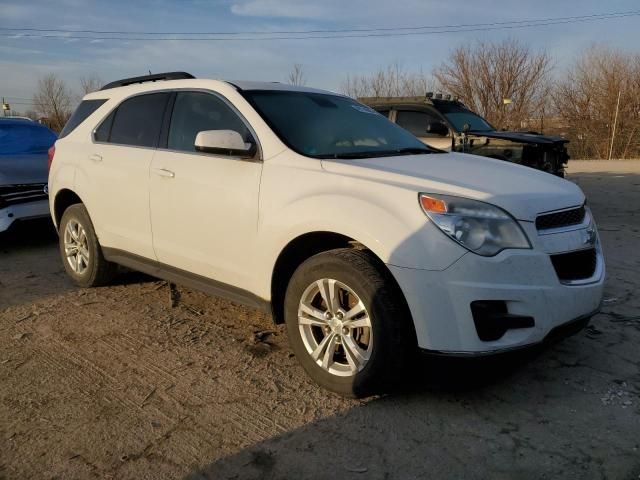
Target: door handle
95, 157
163, 172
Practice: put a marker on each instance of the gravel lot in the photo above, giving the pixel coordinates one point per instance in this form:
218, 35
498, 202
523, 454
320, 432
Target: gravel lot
118, 383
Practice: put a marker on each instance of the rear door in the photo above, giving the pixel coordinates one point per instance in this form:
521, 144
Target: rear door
417, 121
117, 173
204, 207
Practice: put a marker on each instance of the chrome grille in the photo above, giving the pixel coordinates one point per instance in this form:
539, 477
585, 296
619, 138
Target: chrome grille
16, 194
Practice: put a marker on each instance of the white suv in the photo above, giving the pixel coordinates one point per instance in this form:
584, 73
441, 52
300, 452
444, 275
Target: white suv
314, 207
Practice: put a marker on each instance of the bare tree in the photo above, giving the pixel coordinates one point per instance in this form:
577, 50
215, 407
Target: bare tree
53, 101
390, 81
485, 74
296, 75
90, 84
602, 84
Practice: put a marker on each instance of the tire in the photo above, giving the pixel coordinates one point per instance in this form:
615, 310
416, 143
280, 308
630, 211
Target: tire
78, 235
388, 342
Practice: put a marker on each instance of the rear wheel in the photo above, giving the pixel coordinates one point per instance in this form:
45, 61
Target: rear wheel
80, 251
348, 323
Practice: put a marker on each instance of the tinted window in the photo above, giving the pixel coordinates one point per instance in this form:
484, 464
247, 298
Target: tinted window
195, 112
25, 137
331, 126
104, 130
138, 120
416, 122
459, 116
86, 108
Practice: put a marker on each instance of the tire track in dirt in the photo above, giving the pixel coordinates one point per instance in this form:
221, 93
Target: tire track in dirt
251, 423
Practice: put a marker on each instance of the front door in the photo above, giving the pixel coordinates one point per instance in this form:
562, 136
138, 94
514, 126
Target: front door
204, 207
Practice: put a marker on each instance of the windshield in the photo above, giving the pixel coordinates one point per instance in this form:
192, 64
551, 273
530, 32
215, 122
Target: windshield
330, 126
458, 116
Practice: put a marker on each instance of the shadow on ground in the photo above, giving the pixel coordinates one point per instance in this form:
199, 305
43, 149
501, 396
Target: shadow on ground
31, 268
529, 415
28, 234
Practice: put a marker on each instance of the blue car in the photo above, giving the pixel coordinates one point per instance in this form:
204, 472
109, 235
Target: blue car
23, 170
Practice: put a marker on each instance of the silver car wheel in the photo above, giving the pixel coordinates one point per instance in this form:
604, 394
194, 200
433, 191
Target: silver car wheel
335, 327
76, 247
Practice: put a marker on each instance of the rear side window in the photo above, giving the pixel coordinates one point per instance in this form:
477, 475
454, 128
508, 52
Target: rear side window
195, 112
104, 130
137, 121
86, 108
25, 138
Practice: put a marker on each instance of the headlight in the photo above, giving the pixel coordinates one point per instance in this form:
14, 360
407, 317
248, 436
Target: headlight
479, 227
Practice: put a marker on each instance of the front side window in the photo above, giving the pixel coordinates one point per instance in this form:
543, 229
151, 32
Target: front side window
417, 122
195, 112
331, 126
137, 121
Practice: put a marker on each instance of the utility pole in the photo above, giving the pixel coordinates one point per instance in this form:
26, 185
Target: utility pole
615, 123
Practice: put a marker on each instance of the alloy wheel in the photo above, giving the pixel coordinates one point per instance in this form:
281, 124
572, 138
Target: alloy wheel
335, 327
76, 247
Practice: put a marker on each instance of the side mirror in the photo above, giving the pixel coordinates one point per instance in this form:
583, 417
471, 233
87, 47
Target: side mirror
224, 142
437, 128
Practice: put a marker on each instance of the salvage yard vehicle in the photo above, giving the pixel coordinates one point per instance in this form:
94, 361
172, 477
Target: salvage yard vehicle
443, 122
366, 243
23, 170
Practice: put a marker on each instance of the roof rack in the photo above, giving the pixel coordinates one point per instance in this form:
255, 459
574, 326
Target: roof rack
148, 78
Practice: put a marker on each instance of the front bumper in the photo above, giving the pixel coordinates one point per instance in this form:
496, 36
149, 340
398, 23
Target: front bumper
23, 211
440, 301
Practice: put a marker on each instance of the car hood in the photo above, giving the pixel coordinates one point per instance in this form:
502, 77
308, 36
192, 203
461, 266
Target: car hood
522, 191
522, 137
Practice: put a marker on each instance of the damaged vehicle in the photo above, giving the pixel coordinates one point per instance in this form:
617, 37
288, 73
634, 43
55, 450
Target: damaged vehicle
445, 123
24, 146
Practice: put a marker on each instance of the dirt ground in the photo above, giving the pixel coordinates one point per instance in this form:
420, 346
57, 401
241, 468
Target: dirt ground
116, 383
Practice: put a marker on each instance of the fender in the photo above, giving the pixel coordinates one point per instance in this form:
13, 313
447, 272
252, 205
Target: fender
61, 177
376, 225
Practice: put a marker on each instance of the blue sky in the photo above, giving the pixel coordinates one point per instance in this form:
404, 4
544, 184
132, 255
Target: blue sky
326, 62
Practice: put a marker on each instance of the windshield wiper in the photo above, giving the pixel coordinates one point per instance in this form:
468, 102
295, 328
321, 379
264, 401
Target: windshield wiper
411, 150
380, 153
346, 155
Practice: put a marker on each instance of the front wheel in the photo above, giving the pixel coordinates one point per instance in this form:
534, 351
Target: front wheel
348, 323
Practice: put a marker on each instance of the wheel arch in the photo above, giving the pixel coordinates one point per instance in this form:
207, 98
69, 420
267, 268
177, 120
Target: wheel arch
64, 199
306, 246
